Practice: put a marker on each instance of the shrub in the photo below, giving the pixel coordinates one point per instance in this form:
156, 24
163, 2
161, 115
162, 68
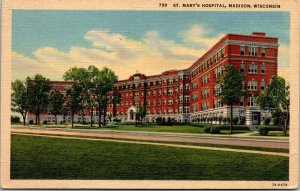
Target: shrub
207, 129
235, 120
14, 119
158, 119
267, 121
242, 120
117, 120
61, 122
45, 122
236, 127
220, 119
215, 130
263, 131
31, 122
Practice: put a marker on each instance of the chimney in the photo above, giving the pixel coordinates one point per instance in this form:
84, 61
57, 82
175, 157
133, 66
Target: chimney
258, 34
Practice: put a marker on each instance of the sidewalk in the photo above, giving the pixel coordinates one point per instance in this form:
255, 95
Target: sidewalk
165, 137
244, 136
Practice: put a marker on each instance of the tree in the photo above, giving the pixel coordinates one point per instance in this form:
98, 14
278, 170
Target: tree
19, 99
56, 102
276, 98
231, 89
74, 102
103, 84
38, 89
84, 78
141, 113
116, 99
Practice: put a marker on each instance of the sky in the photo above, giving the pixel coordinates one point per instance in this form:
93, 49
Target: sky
150, 42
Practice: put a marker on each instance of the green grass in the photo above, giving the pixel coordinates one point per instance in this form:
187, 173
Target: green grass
158, 128
274, 134
56, 158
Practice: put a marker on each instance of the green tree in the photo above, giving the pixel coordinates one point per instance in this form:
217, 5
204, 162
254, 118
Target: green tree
141, 113
19, 99
103, 84
84, 78
38, 89
56, 103
116, 99
276, 98
231, 89
74, 101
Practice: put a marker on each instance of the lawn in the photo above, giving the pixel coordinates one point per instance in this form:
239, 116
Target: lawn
57, 158
159, 128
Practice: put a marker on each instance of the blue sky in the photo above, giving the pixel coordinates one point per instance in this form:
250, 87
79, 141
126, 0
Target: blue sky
58, 37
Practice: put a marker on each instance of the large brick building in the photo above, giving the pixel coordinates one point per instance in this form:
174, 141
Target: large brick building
193, 93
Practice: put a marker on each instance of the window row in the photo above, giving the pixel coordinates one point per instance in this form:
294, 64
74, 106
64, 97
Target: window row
210, 61
252, 51
252, 68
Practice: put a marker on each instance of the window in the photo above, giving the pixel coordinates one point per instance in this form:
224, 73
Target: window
186, 87
262, 85
205, 93
154, 93
186, 109
242, 101
242, 68
252, 51
153, 103
195, 97
205, 106
205, 79
165, 102
170, 92
217, 89
263, 68
252, 68
251, 101
181, 88
217, 103
195, 108
180, 99
180, 110
170, 102
252, 85
263, 52
186, 99
195, 85
218, 72
242, 50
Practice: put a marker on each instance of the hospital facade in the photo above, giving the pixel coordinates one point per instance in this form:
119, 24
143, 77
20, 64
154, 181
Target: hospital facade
193, 93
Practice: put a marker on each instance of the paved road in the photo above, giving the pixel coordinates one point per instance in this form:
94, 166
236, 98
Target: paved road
158, 137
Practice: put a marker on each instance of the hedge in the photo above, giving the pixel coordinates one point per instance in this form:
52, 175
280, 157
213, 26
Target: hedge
264, 130
212, 129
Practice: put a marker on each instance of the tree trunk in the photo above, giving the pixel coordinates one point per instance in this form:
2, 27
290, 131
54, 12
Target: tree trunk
72, 120
231, 116
55, 119
82, 122
24, 119
286, 122
91, 114
104, 116
36, 119
99, 117
39, 122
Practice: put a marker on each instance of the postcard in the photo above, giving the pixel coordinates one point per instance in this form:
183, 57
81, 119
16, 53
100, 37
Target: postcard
152, 94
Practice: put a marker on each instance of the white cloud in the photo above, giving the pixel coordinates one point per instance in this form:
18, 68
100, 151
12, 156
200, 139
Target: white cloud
150, 55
